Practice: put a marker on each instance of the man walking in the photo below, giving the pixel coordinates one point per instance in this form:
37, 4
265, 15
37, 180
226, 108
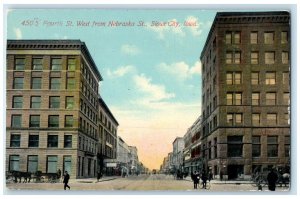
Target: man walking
272, 179
66, 180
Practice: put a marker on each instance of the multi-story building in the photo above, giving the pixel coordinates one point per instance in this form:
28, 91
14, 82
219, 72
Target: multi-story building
108, 138
192, 147
134, 159
178, 146
246, 93
123, 156
52, 107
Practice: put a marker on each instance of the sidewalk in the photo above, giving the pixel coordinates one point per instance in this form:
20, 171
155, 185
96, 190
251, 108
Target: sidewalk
94, 180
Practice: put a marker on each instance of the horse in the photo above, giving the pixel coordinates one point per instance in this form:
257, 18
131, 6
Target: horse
20, 174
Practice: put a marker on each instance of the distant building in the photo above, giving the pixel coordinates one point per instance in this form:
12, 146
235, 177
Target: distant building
108, 138
123, 156
134, 159
246, 93
52, 107
178, 146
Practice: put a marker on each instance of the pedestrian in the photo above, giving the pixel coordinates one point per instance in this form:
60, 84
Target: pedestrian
210, 176
98, 175
58, 175
66, 180
272, 179
204, 179
195, 177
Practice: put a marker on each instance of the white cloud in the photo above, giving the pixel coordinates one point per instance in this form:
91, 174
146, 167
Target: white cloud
181, 69
154, 92
130, 49
168, 28
18, 33
121, 71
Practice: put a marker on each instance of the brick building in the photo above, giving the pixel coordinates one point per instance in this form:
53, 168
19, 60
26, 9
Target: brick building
246, 93
52, 107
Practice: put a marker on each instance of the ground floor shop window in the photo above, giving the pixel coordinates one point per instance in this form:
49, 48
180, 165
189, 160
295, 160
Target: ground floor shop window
67, 163
235, 146
32, 163
51, 164
14, 163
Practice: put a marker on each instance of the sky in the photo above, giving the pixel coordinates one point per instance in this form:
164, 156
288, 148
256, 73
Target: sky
151, 69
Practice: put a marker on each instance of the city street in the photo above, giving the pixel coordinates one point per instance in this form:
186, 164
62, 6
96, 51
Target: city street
158, 182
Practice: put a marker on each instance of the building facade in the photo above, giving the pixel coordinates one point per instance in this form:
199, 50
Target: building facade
123, 156
52, 107
178, 146
192, 147
134, 160
246, 93
108, 139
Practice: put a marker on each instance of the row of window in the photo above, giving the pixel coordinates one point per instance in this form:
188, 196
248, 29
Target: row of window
234, 37
271, 118
234, 57
35, 102
36, 83
235, 98
33, 162
34, 121
38, 64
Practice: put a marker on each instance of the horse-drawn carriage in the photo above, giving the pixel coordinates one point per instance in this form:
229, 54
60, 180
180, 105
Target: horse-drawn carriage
38, 177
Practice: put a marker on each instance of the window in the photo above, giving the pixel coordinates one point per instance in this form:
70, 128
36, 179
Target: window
69, 121
254, 57
237, 37
255, 99
68, 141
16, 120
284, 37
272, 147
233, 78
235, 146
36, 83
67, 163
53, 121
14, 161
69, 102
71, 64
270, 98
52, 141
56, 64
15, 140
229, 99
228, 38
285, 78
255, 119
285, 57
286, 118
17, 102
33, 141
51, 164
54, 102
269, 57
20, 64
253, 37
71, 83
35, 102
228, 57
256, 146
237, 57
255, 78
32, 165
287, 146
230, 118
271, 118
238, 98
286, 98
18, 83
269, 37
238, 118
55, 83
34, 121
37, 64
270, 78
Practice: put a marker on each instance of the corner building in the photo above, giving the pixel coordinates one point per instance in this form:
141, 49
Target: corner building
246, 93
52, 107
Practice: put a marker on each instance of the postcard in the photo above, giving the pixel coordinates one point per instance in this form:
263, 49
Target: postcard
192, 100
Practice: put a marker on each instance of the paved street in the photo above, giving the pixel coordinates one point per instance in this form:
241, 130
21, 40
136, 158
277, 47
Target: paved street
157, 182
